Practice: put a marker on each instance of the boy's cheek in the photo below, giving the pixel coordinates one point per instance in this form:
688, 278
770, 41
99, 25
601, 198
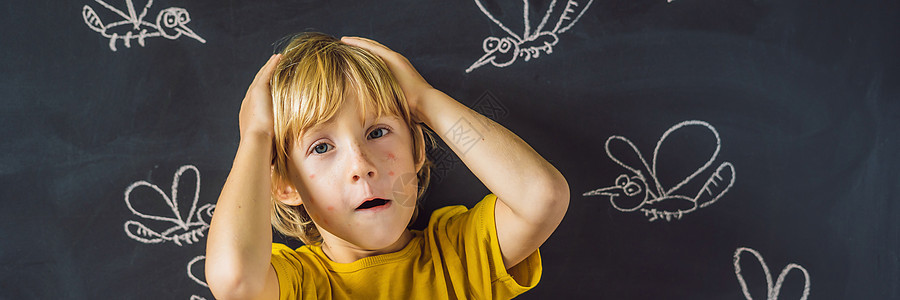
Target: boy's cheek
404, 189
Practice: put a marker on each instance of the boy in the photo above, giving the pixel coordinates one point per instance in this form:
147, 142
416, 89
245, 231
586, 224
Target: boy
329, 129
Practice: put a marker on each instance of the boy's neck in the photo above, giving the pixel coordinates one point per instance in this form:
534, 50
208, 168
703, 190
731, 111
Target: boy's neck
344, 252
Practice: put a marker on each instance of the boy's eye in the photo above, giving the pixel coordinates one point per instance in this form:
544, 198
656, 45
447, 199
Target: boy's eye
321, 148
377, 133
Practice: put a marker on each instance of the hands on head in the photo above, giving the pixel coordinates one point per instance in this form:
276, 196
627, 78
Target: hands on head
413, 84
256, 117
256, 109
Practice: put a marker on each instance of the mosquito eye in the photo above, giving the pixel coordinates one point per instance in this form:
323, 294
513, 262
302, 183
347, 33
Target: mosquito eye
622, 180
505, 45
632, 189
170, 20
183, 18
490, 44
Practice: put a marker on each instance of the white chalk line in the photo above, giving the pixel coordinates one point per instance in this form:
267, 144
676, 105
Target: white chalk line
772, 291
191, 275
636, 185
531, 43
194, 277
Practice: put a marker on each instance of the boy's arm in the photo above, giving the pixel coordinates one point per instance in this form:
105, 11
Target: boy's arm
533, 195
239, 246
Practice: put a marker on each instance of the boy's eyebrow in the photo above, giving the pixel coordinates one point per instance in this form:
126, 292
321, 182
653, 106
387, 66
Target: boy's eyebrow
313, 130
324, 126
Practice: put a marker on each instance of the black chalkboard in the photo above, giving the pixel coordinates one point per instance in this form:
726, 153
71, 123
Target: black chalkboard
792, 106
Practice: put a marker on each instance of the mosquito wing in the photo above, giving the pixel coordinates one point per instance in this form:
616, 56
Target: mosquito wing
494, 19
92, 19
690, 148
573, 11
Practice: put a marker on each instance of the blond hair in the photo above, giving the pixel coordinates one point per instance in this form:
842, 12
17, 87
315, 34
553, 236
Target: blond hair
308, 88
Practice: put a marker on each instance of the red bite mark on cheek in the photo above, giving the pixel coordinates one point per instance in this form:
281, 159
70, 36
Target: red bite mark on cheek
391, 156
331, 208
311, 176
391, 173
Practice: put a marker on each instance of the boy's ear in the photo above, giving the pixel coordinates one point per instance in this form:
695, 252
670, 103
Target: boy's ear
284, 191
288, 195
420, 141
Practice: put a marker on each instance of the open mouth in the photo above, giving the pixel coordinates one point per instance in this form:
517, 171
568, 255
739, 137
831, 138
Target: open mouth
377, 202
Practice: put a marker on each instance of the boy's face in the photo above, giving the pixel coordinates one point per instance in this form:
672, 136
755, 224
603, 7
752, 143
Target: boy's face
339, 166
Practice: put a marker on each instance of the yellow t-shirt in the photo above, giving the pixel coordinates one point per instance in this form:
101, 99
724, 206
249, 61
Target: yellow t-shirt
456, 257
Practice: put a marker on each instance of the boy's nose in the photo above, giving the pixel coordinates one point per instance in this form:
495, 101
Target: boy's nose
369, 174
360, 165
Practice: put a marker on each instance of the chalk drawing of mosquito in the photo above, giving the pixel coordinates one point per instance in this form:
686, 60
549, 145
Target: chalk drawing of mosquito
171, 23
772, 291
642, 190
503, 51
177, 228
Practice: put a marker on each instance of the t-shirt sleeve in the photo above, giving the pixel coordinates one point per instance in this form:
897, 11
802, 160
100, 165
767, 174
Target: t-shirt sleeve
475, 252
287, 266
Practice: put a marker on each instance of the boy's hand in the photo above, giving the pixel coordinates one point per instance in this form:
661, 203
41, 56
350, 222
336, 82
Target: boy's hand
256, 116
412, 83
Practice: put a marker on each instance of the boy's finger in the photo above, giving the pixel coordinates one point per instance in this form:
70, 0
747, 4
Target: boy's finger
265, 73
270, 67
366, 44
356, 40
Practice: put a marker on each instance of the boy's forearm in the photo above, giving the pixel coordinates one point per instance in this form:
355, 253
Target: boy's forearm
507, 165
240, 237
